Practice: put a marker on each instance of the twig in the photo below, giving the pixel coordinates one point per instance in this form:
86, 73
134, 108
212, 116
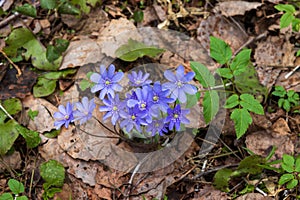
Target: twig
3, 109
12, 63
8, 19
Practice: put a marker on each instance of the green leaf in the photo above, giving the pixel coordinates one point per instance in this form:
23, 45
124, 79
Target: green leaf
27, 9
8, 135
297, 164
52, 191
203, 75
59, 74
32, 138
250, 165
15, 186
12, 106
225, 73
242, 119
221, 179
22, 198
286, 105
240, 62
138, 16
22, 37
84, 84
54, 52
6, 196
210, 105
250, 103
52, 134
32, 114
134, 50
298, 53
48, 4
280, 102
68, 8
219, 50
285, 178
293, 183
296, 24
53, 173
44, 87
84, 4
232, 101
288, 163
279, 91
286, 7
286, 19
192, 100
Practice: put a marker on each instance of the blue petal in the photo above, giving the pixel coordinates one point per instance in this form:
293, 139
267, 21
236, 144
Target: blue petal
184, 120
103, 93
114, 118
117, 87
111, 71
177, 125
95, 77
104, 108
58, 124
62, 109
181, 96
170, 76
58, 115
103, 71
117, 77
131, 103
107, 115
180, 72
97, 87
189, 76
190, 89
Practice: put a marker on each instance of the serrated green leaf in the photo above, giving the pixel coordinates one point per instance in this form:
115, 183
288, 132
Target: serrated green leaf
22, 198
250, 103
288, 160
210, 105
134, 50
222, 178
44, 87
232, 101
240, 62
285, 178
32, 138
296, 24
48, 4
286, 105
219, 50
26, 9
291, 184
192, 100
286, 19
6, 196
279, 91
242, 119
203, 75
68, 8
8, 135
53, 173
285, 7
12, 106
15, 186
225, 73
22, 37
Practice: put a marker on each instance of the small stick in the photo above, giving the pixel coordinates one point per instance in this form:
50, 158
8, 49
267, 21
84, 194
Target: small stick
8, 19
12, 63
291, 72
2, 108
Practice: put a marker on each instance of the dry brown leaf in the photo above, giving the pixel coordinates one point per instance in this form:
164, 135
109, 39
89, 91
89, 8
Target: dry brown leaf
12, 161
208, 192
291, 83
253, 196
218, 26
43, 121
233, 8
82, 52
261, 143
280, 128
267, 75
261, 121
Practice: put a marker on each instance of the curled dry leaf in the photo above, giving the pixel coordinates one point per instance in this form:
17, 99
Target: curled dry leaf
43, 121
233, 8
12, 161
219, 26
280, 128
261, 143
253, 196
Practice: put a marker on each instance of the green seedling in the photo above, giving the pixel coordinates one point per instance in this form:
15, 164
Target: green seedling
287, 99
291, 167
16, 188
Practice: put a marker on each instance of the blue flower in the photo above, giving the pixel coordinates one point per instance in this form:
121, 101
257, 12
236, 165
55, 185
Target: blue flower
106, 81
84, 110
159, 98
133, 118
178, 84
176, 116
157, 126
113, 106
142, 101
139, 79
64, 116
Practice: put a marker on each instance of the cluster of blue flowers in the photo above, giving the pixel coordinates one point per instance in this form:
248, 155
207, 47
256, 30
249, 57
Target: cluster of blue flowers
149, 107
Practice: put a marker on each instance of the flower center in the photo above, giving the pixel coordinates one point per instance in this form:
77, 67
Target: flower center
115, 108
107, 82
133, 117
157, 125
155, 98
138, 82
143, 105
179, 83
175, 116
67, 117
